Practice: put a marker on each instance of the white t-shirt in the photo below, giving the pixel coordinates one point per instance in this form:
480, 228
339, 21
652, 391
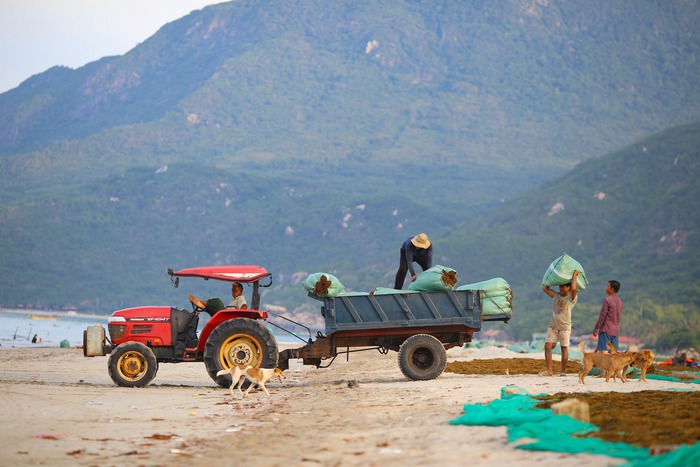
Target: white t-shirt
561, 312
237, 302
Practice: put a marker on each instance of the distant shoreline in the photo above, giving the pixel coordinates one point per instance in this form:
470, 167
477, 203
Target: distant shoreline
282, 338
58, 314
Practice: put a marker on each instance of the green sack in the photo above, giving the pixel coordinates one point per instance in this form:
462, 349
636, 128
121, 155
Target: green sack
432, 280
497, 287
496, 305
389, 291
334, 288
561, 271
498, 293
495, 294
492, 286
352, 294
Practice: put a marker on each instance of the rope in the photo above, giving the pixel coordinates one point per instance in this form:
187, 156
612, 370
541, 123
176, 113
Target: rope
510, 300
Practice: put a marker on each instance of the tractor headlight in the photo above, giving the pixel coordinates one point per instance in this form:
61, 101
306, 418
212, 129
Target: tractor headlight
116, 326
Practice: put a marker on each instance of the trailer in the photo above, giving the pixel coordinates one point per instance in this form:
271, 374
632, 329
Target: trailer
420, 326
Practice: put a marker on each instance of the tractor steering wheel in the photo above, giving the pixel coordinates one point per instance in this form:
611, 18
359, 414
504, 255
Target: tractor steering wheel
194, 301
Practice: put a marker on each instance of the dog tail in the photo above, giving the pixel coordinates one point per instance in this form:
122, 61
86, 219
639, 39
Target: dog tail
580, 347
223, 372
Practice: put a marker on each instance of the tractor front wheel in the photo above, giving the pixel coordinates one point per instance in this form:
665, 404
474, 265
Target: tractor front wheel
239, 341
132, 364
422, 357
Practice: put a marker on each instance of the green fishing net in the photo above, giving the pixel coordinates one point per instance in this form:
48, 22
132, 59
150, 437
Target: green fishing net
538, 429
682, 457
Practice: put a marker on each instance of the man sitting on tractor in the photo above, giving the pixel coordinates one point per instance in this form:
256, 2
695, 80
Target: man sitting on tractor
213, 305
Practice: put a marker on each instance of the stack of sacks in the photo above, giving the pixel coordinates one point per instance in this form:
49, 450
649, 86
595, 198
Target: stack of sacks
435, 279
561, 271
495, 294
323, 285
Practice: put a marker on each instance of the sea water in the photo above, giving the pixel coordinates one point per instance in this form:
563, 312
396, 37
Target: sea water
18, 327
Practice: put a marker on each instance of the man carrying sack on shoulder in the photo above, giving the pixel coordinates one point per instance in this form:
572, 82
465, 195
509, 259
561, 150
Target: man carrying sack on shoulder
559, 330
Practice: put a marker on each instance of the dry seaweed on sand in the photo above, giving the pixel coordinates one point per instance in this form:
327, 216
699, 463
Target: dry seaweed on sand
506, 366
645, 418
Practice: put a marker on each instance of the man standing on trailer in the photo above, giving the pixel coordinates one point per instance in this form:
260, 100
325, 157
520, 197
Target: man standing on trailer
418, 249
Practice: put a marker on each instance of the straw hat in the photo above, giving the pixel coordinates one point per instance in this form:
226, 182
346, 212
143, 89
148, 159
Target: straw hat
421, 241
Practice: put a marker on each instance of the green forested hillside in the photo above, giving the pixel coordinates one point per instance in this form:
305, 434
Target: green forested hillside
113, 240
633, 216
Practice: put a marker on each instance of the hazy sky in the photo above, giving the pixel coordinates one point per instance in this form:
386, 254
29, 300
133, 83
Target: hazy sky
38, 34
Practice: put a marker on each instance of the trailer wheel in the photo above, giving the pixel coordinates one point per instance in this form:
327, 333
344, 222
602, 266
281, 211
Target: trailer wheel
422, 357
239, 341
132, 364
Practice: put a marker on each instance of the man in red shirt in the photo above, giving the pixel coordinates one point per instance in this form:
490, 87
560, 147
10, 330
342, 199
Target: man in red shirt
607, 329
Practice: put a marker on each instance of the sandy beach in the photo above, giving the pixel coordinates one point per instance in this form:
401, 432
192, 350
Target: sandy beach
63, 409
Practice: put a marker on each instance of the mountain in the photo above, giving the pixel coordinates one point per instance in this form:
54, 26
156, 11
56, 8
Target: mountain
314, 136
514, 87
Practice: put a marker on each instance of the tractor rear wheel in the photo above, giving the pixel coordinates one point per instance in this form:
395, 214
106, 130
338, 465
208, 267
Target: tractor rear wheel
422, 357
132, 365
239, 341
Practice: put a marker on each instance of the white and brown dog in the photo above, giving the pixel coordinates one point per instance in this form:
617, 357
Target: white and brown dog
256, 376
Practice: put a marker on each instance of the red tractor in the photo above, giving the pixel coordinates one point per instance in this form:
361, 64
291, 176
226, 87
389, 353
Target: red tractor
142, 337
420, 326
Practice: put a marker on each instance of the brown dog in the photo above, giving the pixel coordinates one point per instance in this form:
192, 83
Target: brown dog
643, 360
623, 373
610, 363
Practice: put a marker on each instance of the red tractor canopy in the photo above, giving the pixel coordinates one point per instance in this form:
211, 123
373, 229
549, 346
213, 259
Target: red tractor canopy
248, 274
238, 273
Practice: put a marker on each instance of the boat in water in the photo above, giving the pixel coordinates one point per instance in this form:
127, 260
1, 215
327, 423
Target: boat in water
44, 317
